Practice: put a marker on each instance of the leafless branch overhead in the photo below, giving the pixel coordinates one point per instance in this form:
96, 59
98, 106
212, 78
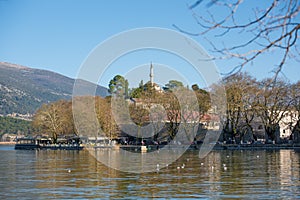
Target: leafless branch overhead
270, 29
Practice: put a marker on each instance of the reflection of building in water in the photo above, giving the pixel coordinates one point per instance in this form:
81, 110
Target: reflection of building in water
287, 167
214, 164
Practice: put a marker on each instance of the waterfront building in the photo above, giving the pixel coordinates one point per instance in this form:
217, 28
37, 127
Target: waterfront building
287, 123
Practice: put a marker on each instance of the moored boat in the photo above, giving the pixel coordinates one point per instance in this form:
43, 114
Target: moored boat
29, 143
26, 144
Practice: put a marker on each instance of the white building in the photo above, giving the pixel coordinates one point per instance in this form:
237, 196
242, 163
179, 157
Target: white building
287, 123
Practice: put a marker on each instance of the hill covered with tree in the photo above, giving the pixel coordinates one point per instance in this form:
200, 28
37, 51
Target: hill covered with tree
23, 90
14, 126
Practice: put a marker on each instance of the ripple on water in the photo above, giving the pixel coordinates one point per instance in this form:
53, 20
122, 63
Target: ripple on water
45, 174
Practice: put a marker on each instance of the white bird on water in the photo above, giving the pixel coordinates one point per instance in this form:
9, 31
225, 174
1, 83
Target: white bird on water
69, 171
157, 167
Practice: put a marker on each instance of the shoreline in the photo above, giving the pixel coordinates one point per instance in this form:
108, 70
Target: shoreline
216, 147
7, 143
255, 146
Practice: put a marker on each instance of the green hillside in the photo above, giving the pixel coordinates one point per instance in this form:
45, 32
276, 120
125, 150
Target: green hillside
14, 126
24, 89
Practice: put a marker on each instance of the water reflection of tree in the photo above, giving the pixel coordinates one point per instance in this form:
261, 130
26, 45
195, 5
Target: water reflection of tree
95, 180
52, 169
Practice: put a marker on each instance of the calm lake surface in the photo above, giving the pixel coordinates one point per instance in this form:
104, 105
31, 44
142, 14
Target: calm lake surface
48, 174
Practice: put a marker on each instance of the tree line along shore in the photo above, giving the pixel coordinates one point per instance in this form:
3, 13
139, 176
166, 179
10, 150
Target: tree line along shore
265, 111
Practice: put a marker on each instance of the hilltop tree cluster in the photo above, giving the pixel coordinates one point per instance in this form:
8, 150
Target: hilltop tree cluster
56, 118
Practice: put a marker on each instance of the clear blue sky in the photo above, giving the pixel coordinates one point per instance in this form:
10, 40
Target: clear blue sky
58, 35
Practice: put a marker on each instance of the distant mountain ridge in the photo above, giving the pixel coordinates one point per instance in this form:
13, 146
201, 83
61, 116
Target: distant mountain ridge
23, 90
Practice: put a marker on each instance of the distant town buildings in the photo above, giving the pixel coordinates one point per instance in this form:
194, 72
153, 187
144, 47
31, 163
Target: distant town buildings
20, 116
211, 120
7, 137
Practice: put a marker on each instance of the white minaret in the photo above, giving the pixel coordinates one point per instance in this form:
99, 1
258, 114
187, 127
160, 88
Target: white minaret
151, 74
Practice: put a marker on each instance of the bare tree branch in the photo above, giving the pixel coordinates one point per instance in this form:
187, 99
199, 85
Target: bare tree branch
270, 29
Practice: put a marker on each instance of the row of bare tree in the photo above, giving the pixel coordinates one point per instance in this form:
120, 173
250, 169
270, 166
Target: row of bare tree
112, 113
248, 100
268, 102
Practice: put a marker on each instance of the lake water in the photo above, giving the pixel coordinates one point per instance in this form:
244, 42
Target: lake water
48, 174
